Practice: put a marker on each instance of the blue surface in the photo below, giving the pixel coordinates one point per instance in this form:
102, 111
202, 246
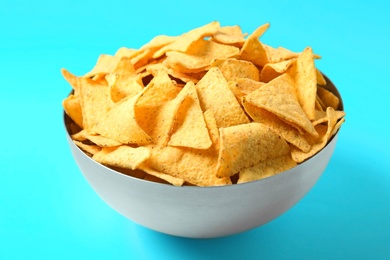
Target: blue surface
47, 209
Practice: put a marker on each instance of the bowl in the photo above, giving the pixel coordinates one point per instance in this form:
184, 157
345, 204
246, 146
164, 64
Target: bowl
203, 212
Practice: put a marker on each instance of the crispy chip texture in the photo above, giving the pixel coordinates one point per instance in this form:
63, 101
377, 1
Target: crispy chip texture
213, 106
245, 145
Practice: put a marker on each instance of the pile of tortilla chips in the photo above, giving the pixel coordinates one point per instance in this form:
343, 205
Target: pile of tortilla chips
213, 106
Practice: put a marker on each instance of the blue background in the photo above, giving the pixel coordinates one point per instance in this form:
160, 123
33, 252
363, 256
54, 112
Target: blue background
47, 209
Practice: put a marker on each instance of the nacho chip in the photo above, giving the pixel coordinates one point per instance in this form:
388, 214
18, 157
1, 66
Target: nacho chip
73, 109
328, 98
253, 50
156, 109
186, 40
325, 133
95, 102
199, 56
272, 70
71, 79
126, 52
104, 65
285, 130
304, 75
245, 145
211, 124
194, 166
120, 123
124, 156
266, 168
214, 95
158, 42
320, 78
122, 86
162, 176
230, 35
98, 140
278, 97
276, 55
190, 128
90, 149
233, 69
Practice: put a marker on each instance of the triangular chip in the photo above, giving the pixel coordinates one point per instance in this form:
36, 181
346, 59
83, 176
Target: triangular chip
91, 149
231, 35
325, 133
243, 146
124, 156
195, 166
104, 65
212, 127
266, 168
285, 130
278, 97
215, 95
71, 79
95, 101
273, 70
156, 109
184, 42
123, 85
199, 56
73, 109
328, 98
233, 68
253, 50
190, 128
279, 54
163, 176
304, 75
320, 78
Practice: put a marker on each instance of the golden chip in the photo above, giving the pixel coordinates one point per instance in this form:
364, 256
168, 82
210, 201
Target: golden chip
278, 97
214, 95
266, 168
190, 129
245, 145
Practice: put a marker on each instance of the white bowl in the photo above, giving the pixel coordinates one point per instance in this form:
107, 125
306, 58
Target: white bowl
203, 212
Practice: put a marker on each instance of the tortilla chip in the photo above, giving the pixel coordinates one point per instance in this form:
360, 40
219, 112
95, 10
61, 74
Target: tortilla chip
253, 50
233, 69
272, 70
266, 168
245, 145
278, 97
104, 65
186, 40
90, 149
162, 176
230, 35
328, 98
95, 102
199, 56
214, 95
195, 166
317, 144
285, 130
124, 156
304, 75
73, 109
190, 128
276, 55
